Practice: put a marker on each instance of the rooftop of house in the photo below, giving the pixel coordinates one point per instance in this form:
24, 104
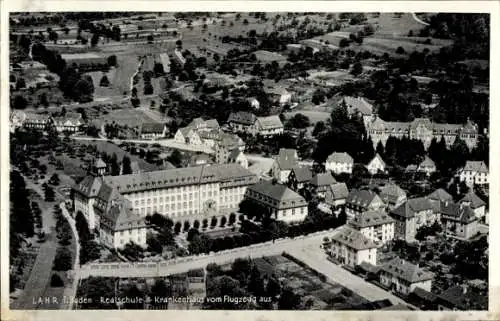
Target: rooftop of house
403, 127
242, 117
457, 212
407, 271
302, 174
338, 191
270, 122
377, 158
37, 117
287, 159
460, 297
352, 238
440, 195
341, 158
473, 200
361, 197
322, 179
280, 194
147, 128
391, 192
371, 218
476, 166
234, 154
427, 162
412, 206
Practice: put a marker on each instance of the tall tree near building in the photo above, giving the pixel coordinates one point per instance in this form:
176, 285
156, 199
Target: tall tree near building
115, 167
126, 165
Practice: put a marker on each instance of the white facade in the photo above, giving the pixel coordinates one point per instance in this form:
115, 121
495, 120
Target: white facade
291, 215
339, 168
402, 286
472, 177
351, 256
379, 233
376, 165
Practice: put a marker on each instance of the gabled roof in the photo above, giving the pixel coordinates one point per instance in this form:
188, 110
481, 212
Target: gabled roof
371, 218
460, 297
186, 130
412, 206
427, 162
147, 128
281, 196
407, 271
440, 195
352, 238
391, 192
424, 294
302, 174
322, 179
476, 166
270, 122
212, 124
377, 156
338, 191
100, 163
457, 212
234, 154
287, 159
362, 197
242, 117
473, 200
342, 158
37, 117
89, 186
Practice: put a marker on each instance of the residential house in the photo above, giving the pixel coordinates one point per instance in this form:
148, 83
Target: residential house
70, 123
336, 195
474, 172
200, 124
299, 177
269, 126
321, 182
243, 122
99, 167
376, 165
286, 160
392, 195
282, 203
280, 94
224, 144
427, 166
38, 121
187, 135
238, 157
378, 226
200, 159
360, 200
440, 195
403, 277
422, 299
339, 163
476, 204
411, 215
152, 130
350, 247
459, 220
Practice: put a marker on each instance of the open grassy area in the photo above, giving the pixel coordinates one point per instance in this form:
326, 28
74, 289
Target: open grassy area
130, 117
314, 116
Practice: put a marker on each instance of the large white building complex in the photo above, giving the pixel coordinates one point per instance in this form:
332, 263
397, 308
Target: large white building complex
182, 194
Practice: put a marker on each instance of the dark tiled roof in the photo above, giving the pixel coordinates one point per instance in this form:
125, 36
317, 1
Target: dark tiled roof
241, 117
390, 192
277, 195
270, 122
412, 206
352, 238
89, 186
371, 218
406, 271
473, 200
147, 128
424, 294
361, 198
287, 159
476, 166
440, 195
456, 212
340, 158
459, 297
302, 174
323, 179
338, 191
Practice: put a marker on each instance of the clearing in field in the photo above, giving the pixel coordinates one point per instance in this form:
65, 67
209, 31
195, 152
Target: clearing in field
268, 56
130, 117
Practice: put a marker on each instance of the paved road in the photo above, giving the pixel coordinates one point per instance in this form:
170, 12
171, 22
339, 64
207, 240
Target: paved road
417, 19
314, 257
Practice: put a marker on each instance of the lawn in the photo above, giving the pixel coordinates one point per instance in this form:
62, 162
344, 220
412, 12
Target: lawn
130, 117
314, 116
268, 56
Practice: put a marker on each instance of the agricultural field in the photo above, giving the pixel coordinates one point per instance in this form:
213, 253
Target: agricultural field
130, 117
314, 116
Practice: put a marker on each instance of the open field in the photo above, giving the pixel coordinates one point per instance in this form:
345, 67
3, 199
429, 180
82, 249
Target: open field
314, 116
130, 117
267, 56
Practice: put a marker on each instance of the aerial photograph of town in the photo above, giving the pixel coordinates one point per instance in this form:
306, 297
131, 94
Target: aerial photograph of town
249, 160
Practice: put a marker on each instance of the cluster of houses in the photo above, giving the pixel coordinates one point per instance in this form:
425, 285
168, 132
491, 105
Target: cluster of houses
246, 122
70, 122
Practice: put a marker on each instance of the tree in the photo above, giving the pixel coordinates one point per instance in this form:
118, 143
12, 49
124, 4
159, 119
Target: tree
49, 194
160, 290
20, 83
175, 158
19, 102
115, 167
344, 42
319, 127
62, 261
288, 300
299, 121
104, 81
94, 40
213, 222
54, 180
56, 281
357, 69
380, 149
400, 50
177, 227
112, 61
148, 89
